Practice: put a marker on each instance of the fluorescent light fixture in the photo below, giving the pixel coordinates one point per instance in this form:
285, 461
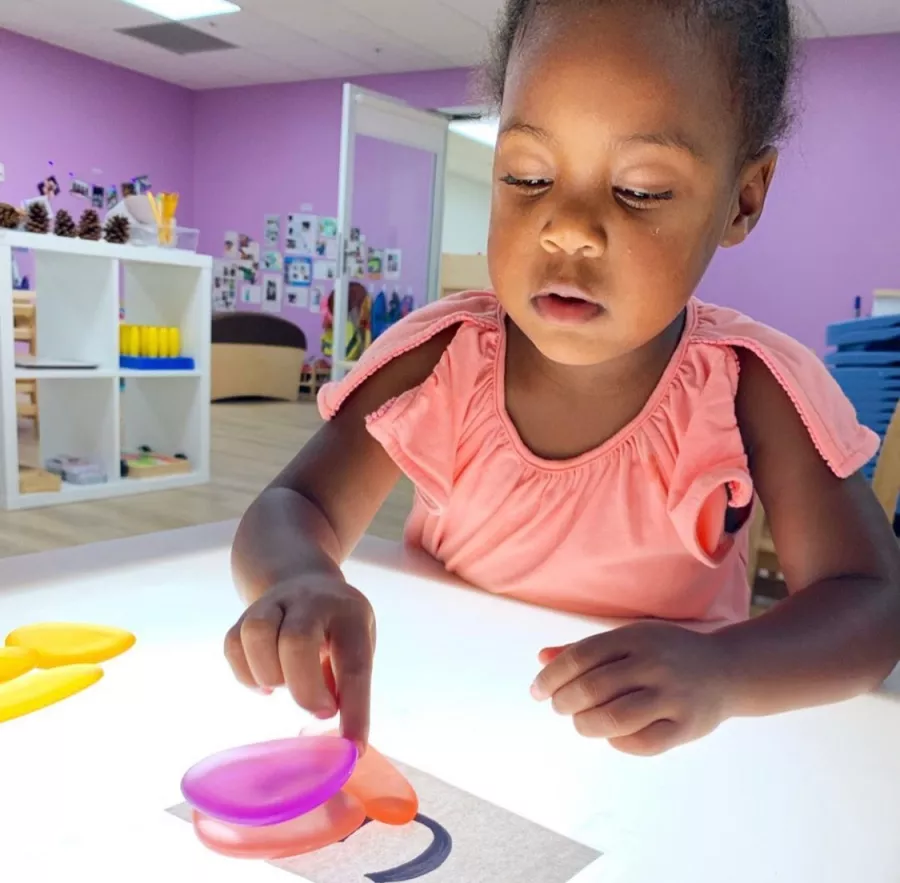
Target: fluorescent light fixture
484, 131
182, 10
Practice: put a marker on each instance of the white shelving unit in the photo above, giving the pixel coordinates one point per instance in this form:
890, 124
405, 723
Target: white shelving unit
90, 412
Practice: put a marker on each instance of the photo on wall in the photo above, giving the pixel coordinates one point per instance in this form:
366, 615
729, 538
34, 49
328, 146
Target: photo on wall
376, 263
249, 272
328, 228
251, 294
273, 262
298, 270
297, 296
327, 249
80, 188
302, 230
325, 270
393, 261
230, 249
272, 236
98, 196
248, 248
317, 294
272, 293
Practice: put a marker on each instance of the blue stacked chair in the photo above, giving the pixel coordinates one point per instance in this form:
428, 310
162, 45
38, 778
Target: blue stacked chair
866, 364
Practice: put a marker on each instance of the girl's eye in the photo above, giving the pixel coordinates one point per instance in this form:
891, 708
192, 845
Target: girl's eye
531, 185
643, 199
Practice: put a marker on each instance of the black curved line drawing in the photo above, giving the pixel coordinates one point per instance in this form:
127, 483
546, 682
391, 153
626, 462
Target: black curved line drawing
429, 861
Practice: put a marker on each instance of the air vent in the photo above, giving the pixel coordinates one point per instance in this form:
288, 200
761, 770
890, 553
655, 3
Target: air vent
177, 38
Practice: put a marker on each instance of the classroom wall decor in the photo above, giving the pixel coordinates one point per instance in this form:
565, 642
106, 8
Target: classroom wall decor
816, 250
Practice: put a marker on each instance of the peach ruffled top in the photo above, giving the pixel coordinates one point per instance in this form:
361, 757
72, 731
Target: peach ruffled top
634, 528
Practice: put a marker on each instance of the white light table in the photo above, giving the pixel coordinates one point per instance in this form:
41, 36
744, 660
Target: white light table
811, 797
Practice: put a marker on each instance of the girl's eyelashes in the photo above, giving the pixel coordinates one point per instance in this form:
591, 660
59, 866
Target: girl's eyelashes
641, 200
529, 185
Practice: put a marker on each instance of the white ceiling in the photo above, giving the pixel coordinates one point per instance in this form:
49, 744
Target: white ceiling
284, 40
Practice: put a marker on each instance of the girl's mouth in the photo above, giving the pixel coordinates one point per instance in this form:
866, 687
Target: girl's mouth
566, 306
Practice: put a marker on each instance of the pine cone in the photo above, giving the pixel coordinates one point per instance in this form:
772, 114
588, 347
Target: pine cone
64, 225
89, 225
37, 218
117, 230
10, 216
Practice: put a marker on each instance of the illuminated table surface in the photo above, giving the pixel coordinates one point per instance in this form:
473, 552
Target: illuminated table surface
84, 785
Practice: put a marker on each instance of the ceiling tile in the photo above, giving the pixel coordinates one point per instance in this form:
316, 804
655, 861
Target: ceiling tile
344, 30
484, 12
109, 14
808, 23
857, 17
418, 21
283, 44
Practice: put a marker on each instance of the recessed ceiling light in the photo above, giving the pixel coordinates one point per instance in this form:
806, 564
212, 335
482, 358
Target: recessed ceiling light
182, 10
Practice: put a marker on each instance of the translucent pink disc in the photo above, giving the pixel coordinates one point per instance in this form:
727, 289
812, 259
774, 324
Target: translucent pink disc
272, 782
330, 823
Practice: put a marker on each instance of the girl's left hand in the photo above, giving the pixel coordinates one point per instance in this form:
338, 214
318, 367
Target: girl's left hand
646, 687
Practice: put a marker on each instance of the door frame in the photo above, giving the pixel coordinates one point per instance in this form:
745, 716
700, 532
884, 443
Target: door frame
388, 119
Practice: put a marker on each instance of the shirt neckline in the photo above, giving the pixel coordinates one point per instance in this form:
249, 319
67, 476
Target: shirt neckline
626, 432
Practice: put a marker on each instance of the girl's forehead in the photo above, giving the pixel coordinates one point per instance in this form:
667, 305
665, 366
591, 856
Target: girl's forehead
620, 64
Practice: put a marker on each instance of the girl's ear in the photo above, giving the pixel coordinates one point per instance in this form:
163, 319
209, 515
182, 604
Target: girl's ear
756, 178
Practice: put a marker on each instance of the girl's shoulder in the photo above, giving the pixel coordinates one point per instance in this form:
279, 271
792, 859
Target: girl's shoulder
825, 410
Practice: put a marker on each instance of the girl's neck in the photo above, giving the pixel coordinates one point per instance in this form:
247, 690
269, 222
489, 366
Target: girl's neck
604, 379
561, 412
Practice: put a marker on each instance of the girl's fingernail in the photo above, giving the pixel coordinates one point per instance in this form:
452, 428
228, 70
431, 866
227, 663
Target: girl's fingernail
537, 692
265, 691
325, 714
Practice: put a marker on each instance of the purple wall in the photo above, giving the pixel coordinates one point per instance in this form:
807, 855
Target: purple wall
831, 230
271, 149
85, 114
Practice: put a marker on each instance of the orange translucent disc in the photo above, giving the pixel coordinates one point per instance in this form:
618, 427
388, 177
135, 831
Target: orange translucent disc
382, 789
330, 823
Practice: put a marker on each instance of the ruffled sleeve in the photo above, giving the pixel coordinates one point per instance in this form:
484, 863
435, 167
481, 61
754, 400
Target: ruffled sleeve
710, 471
420, 429
830, 418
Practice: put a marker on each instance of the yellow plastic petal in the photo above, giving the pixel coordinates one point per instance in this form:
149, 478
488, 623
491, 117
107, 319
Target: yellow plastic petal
42, 688
60, 643
15, 661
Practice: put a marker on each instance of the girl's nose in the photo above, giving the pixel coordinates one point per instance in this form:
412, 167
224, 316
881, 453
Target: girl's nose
575, 232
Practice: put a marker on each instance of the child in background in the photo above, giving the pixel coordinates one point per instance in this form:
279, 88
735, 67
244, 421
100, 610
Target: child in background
590, 436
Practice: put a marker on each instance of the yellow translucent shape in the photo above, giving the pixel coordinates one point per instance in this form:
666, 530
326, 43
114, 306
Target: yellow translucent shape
15, 661
58, 643
42, 688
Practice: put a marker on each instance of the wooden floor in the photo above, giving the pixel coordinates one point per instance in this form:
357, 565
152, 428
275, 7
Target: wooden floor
251, 442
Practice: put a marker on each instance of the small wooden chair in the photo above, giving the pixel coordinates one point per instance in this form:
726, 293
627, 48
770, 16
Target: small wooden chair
25, 331
886, 482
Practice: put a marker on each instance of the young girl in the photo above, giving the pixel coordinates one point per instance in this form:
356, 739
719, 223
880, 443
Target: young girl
590, 437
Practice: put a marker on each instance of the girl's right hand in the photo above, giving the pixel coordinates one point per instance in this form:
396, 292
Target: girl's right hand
315, 635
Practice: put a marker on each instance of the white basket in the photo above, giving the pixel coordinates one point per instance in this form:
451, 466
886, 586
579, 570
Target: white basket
186, 238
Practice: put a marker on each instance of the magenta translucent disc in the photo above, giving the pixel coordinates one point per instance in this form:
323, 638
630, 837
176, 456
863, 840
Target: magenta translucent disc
272, 782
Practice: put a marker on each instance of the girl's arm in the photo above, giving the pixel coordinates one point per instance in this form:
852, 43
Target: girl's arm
307, 521
838, 634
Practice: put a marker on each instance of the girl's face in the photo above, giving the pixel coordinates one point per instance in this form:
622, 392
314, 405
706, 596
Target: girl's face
616, 179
